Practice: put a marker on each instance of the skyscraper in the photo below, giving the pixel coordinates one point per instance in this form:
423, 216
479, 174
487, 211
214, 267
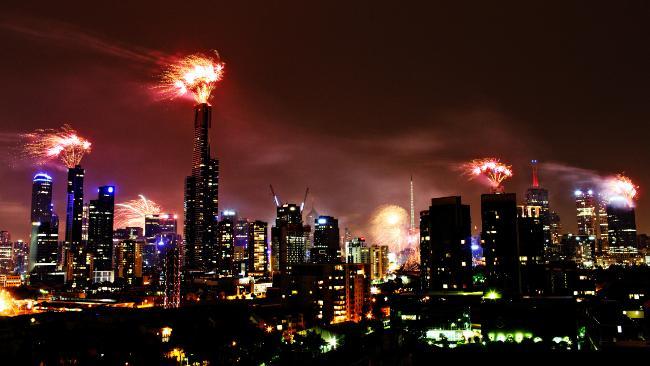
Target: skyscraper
445, 239
532, 246
622, 227
327, 247
45, 226
41, 198
586, 212
128, 261
75, 251
224, 253
169, 246
258, 249
500, 242
288, 238
100, 228
240, 252
6, 254
21, 257
201, 196
155, 225
378, 262
537, 196
356, 251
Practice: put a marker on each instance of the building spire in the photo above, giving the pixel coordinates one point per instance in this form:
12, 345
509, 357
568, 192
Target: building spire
535, 177
412, 206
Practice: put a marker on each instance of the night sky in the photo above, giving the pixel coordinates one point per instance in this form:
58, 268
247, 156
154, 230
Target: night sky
348, 98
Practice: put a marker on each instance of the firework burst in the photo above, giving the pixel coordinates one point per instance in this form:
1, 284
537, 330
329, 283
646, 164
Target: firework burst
132, 213
490, 168
621, 188
195, 74
390, 225
64, 143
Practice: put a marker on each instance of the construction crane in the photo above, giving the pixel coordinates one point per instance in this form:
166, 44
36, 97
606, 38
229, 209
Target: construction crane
275, 196
302, 205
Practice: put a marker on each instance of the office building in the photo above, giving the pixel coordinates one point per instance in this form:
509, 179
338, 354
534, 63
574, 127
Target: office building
224, 254
327, 247
171, 264
201, 197
538, 196
258, 249
500, 242
336, 292
128, 262
240, 250
100, 228
532, 247
378, 262
445, 240
288, 238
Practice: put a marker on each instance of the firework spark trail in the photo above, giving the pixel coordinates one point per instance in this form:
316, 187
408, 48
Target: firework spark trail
46, 144
132, 213
620, 188
490, 168
195, 74
390, 226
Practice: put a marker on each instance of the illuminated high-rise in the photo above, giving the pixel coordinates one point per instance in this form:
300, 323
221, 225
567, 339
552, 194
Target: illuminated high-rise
258, 249
171, 264
201, 196
45, 226
586, 204
378, 260
128, 261
240, 250
100, 228
154, 225
224, 254
6, 254
41, 198
288, 238
538, 196
327, 247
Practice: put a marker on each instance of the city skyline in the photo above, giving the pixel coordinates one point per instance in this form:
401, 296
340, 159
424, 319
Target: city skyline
249, 125
473, 183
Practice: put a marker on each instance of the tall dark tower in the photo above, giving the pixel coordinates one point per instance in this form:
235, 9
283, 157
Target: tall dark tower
100, 228
201, 195
75, 253
501, 242
74, 207
327, 247
445, 239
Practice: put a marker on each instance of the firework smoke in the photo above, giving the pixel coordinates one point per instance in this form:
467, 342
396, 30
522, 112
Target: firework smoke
44, 145
389, 225
490, 168
195, 74
132, 213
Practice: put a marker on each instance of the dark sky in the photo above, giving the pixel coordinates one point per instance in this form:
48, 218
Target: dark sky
348, 98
